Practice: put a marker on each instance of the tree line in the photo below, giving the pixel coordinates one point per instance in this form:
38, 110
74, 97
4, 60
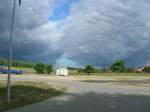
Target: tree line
116, 67
40, 68
43, 68
17, 63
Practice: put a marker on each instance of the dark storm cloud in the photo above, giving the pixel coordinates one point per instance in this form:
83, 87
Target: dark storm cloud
30, 41
100, 32
95, 32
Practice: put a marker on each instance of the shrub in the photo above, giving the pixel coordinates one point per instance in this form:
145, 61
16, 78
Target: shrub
147, 69
40, 67
49, 69
118, 66
130, 70
89, 69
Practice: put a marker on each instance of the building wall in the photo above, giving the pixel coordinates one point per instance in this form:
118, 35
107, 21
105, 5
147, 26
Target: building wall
62, 72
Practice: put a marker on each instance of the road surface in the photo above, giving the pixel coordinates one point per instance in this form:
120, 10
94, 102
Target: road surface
101, 96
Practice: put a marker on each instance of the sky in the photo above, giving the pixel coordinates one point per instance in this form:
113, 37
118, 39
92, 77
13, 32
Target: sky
78, 32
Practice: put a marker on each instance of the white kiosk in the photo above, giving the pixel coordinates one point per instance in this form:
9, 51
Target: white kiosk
62, 71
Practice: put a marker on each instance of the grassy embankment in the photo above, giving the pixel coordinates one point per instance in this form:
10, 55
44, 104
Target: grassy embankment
24, 93
26, 70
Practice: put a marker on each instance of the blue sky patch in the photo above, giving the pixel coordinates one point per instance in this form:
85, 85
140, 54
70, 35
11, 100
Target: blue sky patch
61, 9
67, 62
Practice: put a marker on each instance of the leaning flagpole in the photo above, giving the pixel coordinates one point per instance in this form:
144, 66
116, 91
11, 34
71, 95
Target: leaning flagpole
11, 52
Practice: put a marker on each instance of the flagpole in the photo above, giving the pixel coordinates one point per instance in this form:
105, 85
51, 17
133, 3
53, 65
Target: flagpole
10, 54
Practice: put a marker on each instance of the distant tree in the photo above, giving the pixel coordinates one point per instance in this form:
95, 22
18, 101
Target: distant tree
89, 69
27, 64
1, 61
49, 69
17, 63
105, 70
118, 66
81, 70
130, 70
39, 67
72, 68
147, 69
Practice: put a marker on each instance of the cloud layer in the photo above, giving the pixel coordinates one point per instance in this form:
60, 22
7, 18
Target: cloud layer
94, 32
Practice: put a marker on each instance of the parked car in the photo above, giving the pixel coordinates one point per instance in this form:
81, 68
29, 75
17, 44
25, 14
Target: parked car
5, 71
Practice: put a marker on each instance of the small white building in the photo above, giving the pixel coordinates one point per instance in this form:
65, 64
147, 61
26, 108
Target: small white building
62, 71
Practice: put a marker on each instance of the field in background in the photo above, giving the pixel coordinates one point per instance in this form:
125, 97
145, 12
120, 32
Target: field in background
76, 73
29, 71
26, 70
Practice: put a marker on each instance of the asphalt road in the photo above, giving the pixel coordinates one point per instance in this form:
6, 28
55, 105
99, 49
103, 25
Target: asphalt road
102, 96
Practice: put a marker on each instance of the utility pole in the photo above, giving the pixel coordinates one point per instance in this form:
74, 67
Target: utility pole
11, 52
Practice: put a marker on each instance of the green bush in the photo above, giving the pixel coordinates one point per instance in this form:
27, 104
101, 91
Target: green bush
130, 70
49, 69
118, 66
1, 62
89, 69
39, 67
147, 69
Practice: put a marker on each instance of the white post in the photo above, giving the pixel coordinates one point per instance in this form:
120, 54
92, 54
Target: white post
10, 54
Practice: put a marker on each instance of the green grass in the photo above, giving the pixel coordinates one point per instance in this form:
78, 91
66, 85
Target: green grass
26, 70
25, 93
76, 73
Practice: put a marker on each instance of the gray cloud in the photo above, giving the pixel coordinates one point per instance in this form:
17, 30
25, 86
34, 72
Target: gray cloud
95, 32
100, 32
33, 33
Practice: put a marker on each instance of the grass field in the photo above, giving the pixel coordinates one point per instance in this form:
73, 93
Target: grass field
24, 93
26, 70
76, 73
122, 74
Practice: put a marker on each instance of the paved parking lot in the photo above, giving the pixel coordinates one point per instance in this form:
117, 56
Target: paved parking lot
98, 95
